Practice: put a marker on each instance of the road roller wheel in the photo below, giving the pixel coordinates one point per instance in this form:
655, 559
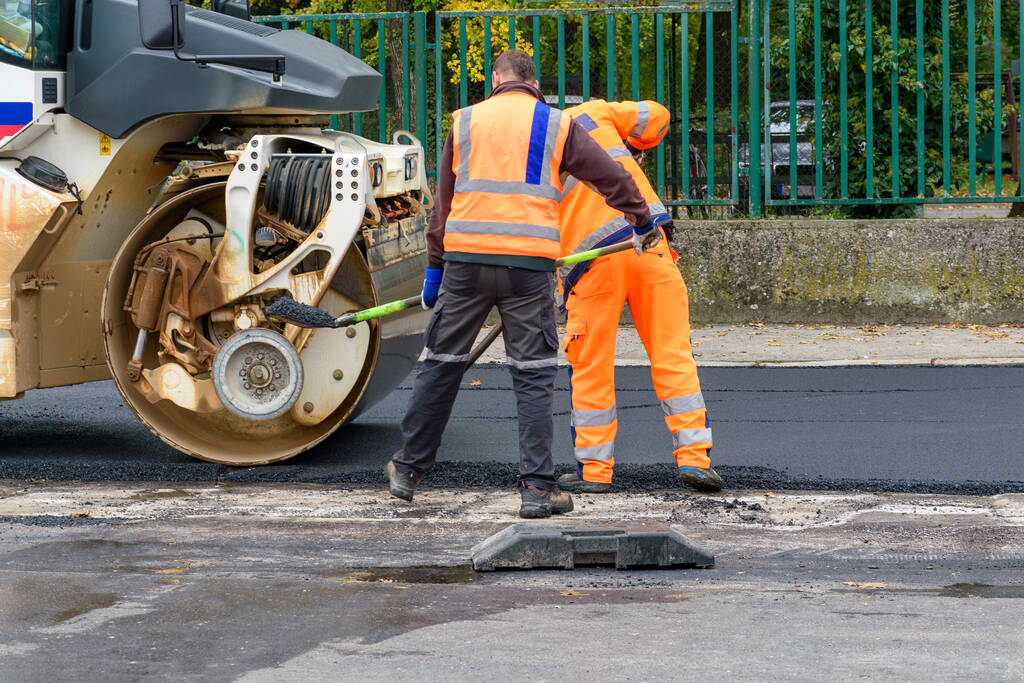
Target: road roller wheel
257, 429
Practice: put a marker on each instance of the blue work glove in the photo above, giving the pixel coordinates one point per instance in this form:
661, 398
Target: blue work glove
431, 286
645, 236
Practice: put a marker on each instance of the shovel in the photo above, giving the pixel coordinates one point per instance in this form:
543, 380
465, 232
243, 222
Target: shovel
288, 310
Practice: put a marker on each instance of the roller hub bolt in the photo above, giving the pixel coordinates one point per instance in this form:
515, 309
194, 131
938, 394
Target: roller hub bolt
257, 374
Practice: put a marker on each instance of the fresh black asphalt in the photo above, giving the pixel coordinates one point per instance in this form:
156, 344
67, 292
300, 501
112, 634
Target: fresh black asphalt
915, 429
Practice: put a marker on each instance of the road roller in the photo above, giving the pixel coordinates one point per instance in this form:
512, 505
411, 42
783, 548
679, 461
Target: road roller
168, 172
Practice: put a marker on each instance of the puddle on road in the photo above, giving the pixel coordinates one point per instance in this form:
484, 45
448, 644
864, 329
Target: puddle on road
981, 590
434, 575
86, 603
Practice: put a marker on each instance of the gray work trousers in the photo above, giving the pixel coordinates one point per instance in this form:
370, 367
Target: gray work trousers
524, 301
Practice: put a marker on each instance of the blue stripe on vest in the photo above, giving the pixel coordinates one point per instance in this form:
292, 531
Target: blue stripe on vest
538, 138
587, 122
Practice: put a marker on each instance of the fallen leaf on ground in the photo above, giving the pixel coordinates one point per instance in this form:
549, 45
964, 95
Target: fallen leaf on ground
769, 495
865, 584
571, 593
80, 514
475, 383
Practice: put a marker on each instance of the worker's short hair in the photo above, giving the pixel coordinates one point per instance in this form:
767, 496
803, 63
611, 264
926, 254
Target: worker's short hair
516, 65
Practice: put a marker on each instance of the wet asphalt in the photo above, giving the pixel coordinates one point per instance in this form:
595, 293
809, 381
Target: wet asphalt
906, 429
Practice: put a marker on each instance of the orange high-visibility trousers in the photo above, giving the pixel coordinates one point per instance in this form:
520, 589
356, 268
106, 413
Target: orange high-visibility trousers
657, 298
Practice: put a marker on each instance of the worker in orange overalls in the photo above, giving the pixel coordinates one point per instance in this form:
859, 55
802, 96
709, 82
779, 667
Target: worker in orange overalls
649, 281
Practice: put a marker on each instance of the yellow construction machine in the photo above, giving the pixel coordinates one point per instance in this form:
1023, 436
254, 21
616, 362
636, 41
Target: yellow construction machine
165, 175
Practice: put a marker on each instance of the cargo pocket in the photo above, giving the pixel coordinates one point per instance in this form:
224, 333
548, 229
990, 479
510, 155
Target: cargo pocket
548, 328
573, 340
430, 334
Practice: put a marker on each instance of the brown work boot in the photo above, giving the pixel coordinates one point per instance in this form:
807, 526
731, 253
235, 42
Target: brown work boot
537, 503
577, 484
400, 484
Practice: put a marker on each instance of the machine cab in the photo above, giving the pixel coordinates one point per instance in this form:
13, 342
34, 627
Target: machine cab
35, 39
36, 34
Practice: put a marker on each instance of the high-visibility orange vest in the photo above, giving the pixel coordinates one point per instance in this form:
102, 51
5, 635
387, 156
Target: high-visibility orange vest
506, 154
587, 222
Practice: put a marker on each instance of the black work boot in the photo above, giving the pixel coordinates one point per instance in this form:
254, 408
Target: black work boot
701, 478
577, 484
537, 503
401, 484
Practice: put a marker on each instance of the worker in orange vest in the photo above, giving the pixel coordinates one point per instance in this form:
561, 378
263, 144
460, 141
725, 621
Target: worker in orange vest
492, 240
593, 294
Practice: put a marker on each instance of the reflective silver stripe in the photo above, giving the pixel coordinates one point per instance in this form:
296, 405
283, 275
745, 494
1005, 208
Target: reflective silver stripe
495, 228
661, 133
618, 152
554, 120
447, 357
683, 404
643, 115
689, 437
463, 184
593, 418
601, 233
604, 452
570, 183
465, 146
529, 364
606, 230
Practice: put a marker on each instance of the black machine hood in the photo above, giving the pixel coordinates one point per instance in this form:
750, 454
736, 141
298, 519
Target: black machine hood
115, 83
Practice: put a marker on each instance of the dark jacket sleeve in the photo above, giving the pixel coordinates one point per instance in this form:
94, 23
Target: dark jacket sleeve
584, 159
442, 205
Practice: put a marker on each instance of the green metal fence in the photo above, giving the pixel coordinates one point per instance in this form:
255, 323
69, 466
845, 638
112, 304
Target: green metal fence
776, 103
612, 53
365, 36
907, 102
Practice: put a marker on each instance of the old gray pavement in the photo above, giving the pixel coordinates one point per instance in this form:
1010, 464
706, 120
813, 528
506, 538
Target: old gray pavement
276, 577
326, 582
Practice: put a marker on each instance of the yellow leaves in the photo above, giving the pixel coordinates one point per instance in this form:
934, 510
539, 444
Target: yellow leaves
79, 515
865, 584
571, 593
475, 38
360, 576
475, 382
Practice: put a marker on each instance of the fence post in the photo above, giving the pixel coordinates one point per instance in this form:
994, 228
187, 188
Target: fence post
754, 105
420, 59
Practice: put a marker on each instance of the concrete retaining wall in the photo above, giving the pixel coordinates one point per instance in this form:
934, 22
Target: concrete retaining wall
905, 270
